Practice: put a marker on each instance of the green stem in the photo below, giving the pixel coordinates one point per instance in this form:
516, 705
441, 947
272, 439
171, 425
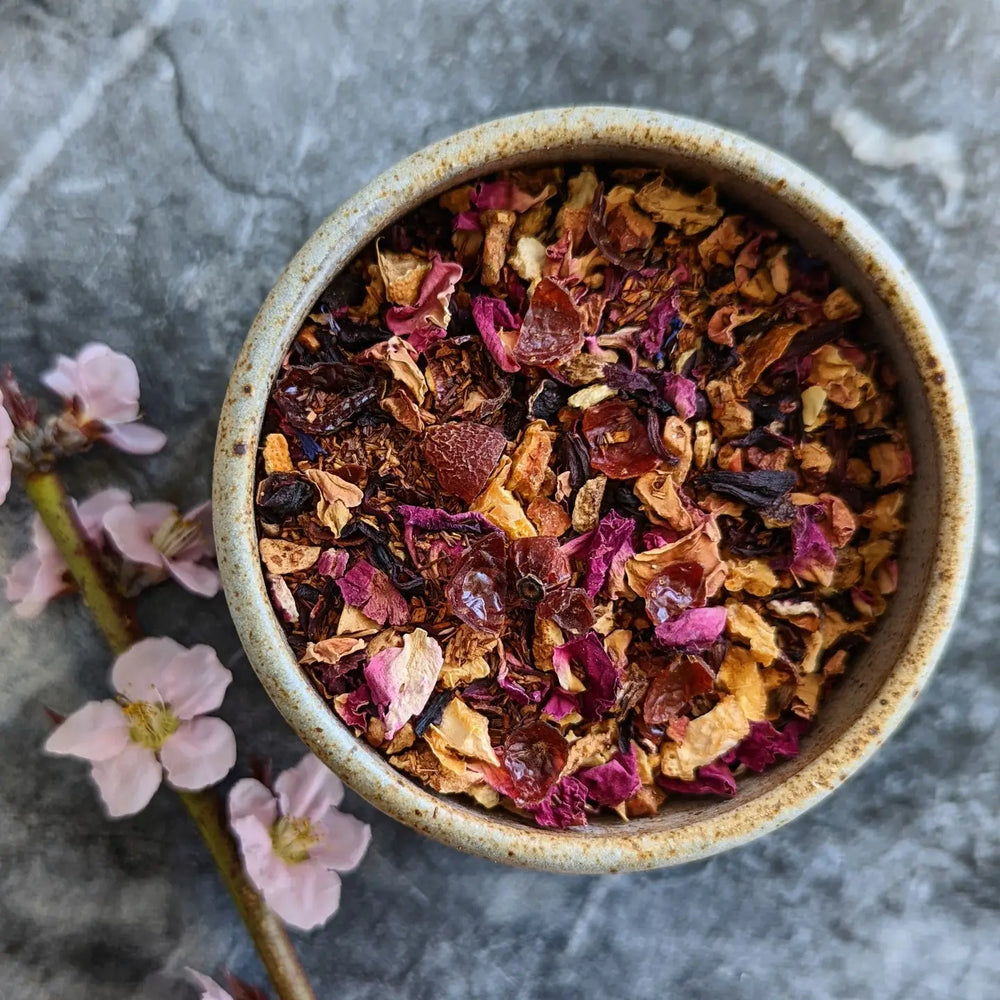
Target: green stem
116, 619
106, 603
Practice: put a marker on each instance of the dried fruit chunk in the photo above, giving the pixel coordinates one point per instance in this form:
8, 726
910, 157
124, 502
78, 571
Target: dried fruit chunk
531, 461
533, 756
552, 329
477, 592
618, 442
684, 678
464, 456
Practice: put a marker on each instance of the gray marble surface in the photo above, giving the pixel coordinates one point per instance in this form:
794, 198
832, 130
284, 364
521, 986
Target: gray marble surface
159, 162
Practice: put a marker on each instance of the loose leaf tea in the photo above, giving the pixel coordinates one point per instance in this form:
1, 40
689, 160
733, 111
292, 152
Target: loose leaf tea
578, 490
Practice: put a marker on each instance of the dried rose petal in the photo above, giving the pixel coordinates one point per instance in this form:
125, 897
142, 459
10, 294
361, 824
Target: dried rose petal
552, 329
477, 593
464, 456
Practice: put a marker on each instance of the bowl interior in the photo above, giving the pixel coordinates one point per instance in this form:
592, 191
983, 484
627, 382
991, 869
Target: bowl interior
882, 680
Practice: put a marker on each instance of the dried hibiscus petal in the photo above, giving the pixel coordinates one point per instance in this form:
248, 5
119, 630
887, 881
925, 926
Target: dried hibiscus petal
618, 443
464, 456
477, 593
552, 329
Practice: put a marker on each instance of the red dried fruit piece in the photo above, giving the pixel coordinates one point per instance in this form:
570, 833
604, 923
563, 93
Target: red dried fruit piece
464, 456
673, 687
618, 442
552, 329
477, 592
570, 608
675, 590
533, 755
541, 565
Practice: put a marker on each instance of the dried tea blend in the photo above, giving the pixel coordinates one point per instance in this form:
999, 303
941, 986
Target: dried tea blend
578, 490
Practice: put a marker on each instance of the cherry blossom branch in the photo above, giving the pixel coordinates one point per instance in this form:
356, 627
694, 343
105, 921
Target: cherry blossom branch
116, 619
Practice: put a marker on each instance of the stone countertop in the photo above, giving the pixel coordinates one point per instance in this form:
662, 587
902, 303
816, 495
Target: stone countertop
159, 163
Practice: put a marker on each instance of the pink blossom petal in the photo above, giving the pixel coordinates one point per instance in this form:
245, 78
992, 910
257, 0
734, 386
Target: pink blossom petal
138, 673
201, 580
6, 463
135, 439
107, 384
32, 582
97, 731
200, 753
305, 895
191, 681
128, 781
253, 810
92, 510
62, 379
345, 840
204, 547
309, 789
210, 989
128, 530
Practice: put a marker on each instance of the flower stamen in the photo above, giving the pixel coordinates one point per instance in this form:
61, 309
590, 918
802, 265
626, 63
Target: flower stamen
149, 724
292, 837
175, 535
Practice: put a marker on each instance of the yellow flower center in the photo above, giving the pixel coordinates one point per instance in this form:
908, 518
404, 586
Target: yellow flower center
291, 837
149, 724
175, 535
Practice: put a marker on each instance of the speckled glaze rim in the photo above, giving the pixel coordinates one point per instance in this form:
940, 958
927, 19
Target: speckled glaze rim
571, 133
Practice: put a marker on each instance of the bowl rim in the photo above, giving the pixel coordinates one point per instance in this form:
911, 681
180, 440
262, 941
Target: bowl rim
565, 132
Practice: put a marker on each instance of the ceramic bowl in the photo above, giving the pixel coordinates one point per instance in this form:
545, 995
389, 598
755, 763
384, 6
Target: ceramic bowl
882, 683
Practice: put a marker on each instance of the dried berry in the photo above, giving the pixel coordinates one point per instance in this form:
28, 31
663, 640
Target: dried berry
533, 756
284, 495
618, 443
477, 593
463, 457
675, 590
552, 329
683, 679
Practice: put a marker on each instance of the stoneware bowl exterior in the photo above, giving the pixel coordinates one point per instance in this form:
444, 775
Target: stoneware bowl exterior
882, 683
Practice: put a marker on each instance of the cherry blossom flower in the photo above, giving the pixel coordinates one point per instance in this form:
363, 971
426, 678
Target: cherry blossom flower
102, 388
294, 840
210, 989
40, 575
157, 536
157, 725
6, 461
